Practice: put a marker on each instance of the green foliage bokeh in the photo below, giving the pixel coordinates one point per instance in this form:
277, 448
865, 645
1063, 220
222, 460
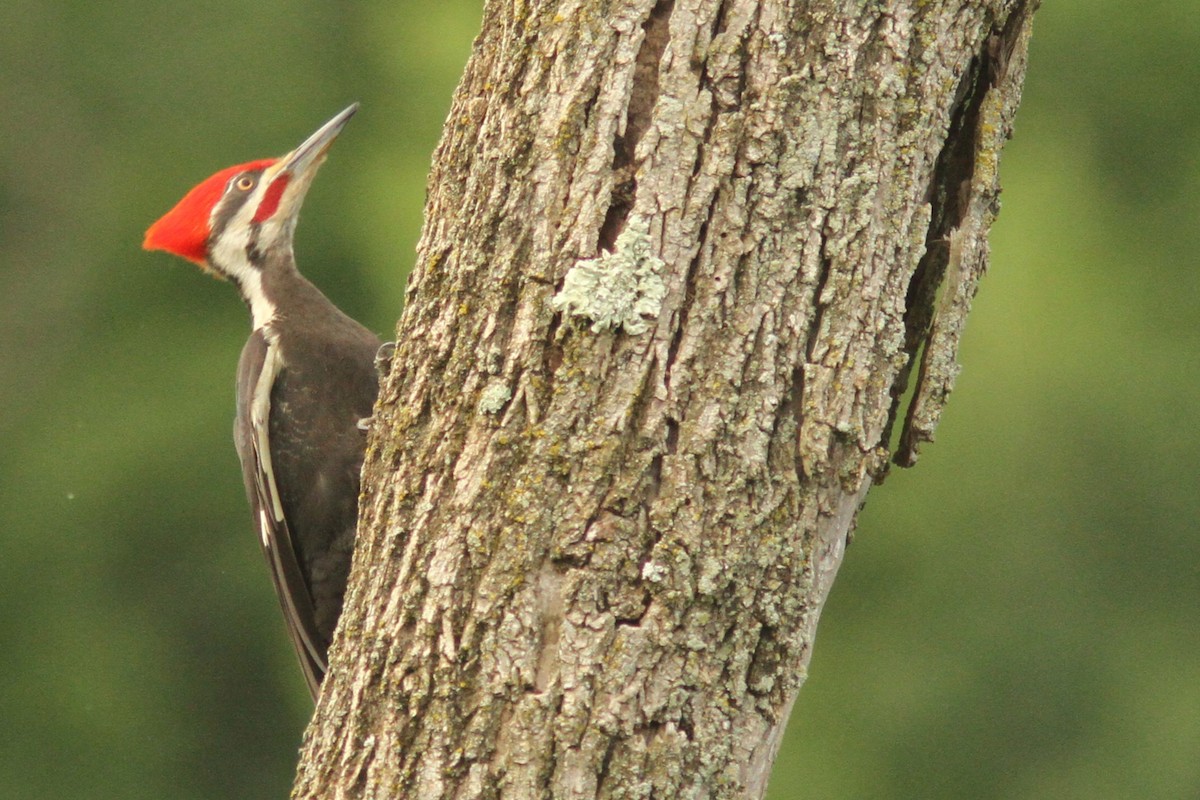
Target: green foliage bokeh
1015, 618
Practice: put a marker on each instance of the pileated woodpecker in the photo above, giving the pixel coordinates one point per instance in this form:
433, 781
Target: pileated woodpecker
306, 381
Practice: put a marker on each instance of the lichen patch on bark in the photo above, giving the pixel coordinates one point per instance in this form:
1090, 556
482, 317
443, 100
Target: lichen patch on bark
616, 290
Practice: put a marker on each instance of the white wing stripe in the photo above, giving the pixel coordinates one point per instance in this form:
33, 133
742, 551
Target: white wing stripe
260, 411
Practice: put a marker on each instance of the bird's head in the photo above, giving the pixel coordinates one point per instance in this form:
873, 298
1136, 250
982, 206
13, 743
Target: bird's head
232, 221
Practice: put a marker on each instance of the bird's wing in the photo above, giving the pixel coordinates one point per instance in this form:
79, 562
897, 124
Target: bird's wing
252, 435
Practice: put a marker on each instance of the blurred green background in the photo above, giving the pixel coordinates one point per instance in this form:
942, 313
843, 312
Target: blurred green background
1015, 619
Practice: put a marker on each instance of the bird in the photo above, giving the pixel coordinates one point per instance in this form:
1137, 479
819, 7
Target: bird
306, 382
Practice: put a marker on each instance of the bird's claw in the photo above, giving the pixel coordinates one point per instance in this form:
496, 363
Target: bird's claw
383, 358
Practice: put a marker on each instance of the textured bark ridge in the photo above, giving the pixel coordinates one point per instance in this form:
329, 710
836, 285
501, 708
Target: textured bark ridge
594, 545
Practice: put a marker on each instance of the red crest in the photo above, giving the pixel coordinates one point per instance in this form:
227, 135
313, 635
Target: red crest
184, 230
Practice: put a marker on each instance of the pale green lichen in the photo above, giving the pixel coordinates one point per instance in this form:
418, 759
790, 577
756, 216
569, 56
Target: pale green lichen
617, 289
654, 572
493, 397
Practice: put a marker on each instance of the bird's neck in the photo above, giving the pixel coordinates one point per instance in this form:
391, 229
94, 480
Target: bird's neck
270, 285
252, 285
281, 299
272, 288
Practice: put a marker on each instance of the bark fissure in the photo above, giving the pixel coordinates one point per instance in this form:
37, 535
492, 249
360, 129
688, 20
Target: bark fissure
688, 296
639, 112
951, 178
964, 207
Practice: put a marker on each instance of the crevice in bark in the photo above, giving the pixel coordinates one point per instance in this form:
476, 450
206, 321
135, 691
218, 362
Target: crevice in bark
638, 116
719, 19
689, 296
814, 329
796, 405
635, 621
654, 476
677, 335
576, 552
764, 664
553, 356
1002, 44
950, 196
603, 771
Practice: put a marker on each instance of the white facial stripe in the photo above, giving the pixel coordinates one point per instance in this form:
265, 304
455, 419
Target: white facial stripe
261, 309
229, 254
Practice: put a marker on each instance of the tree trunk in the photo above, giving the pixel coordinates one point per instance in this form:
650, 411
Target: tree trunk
679, 259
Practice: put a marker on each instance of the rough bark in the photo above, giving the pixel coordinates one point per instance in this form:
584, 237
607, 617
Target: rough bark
594, 547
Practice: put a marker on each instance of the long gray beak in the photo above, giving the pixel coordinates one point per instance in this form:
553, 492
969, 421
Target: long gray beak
289, 178
312, 151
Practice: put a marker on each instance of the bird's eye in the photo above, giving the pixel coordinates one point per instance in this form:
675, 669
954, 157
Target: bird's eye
245, 183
